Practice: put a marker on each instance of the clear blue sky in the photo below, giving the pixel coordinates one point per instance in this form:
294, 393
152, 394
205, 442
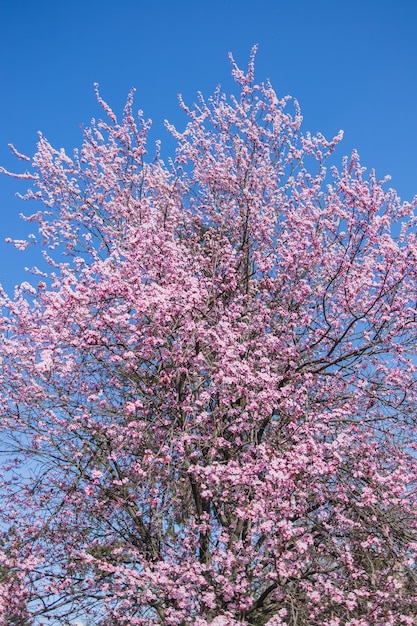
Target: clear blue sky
351, 64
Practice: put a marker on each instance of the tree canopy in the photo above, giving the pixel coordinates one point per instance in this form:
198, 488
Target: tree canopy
209, 399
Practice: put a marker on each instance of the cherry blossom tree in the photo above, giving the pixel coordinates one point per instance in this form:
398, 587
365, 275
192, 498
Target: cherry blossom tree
209, 398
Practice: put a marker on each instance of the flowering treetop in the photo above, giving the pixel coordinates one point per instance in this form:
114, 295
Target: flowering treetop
209, 401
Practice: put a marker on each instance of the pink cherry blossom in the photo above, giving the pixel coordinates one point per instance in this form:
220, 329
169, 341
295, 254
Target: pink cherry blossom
209, 401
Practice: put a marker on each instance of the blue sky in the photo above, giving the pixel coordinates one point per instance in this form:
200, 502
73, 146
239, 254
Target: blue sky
351, 65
